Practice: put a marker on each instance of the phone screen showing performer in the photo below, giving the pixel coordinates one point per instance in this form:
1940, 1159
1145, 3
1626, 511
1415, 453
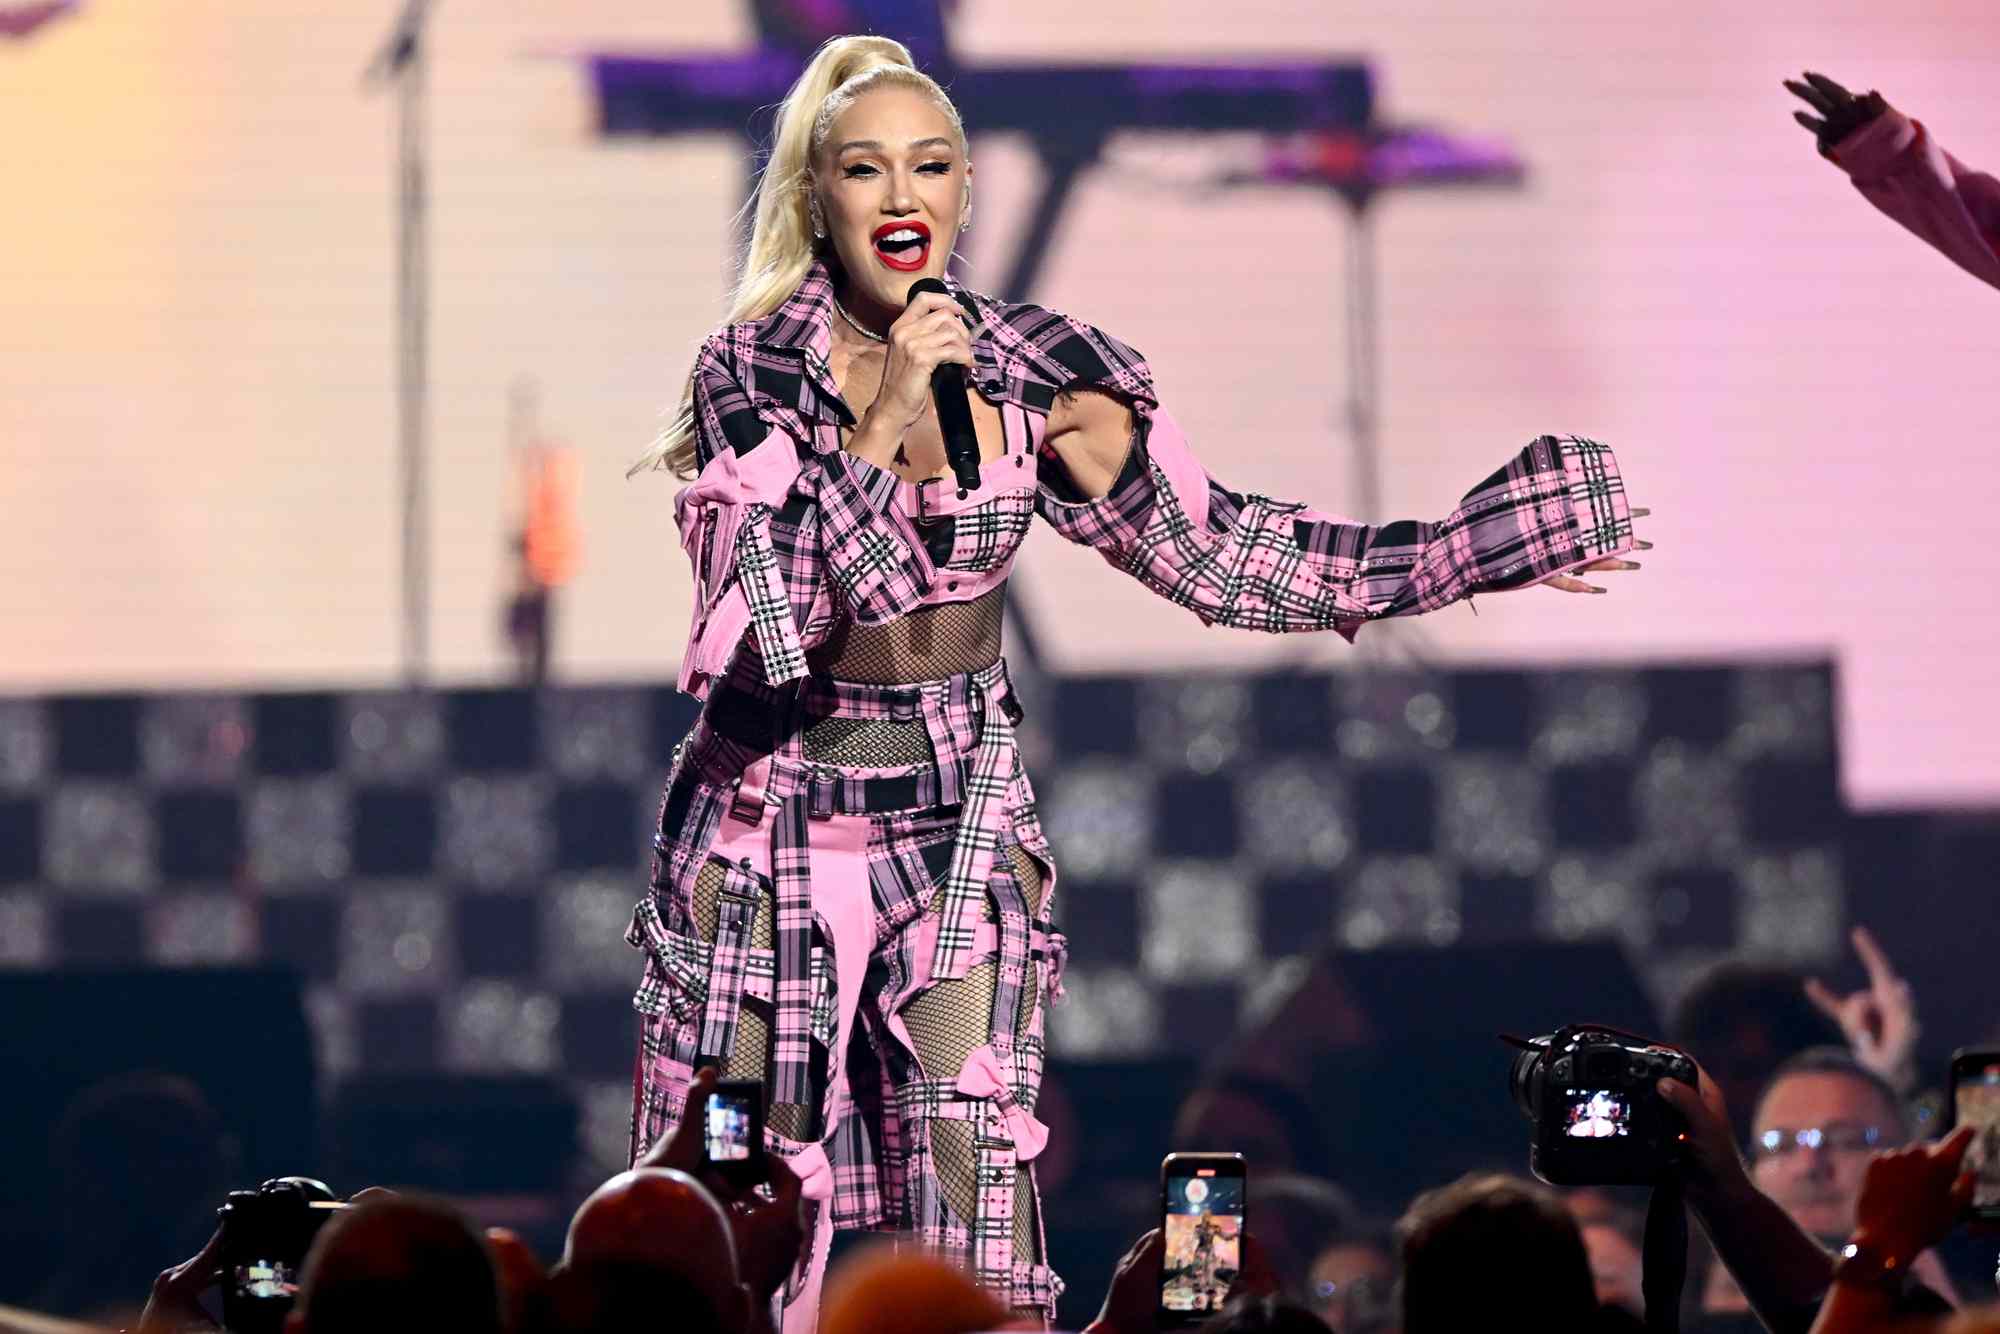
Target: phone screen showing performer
733, 1129
1975, 1101
1201, 1221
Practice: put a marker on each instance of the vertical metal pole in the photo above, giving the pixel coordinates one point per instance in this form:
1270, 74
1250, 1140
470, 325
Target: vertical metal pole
413, 291
1363, 386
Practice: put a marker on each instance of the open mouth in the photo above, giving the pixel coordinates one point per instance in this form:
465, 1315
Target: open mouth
903, 246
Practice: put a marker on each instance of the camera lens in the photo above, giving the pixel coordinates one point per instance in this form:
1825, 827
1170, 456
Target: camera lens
1526, 1083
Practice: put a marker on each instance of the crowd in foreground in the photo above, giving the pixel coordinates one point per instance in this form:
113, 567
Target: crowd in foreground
1830, 1225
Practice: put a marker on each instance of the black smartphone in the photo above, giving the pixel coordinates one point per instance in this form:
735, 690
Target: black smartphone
1202, 1198
732, 1131
1975, 1101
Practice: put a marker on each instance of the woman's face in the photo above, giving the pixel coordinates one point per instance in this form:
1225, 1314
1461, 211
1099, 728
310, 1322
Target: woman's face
891, 183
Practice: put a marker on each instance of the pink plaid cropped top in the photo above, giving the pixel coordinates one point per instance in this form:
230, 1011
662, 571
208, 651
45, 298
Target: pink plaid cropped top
789, 534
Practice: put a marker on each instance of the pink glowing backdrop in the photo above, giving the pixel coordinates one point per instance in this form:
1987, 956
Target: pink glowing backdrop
196, 353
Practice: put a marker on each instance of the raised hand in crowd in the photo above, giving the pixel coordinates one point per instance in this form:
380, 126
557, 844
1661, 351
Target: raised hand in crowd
1780, 1268
1880, 1020
175, 1303
769, 1230
1133, 1298
1836, 113
1911, 1199
1132, 1302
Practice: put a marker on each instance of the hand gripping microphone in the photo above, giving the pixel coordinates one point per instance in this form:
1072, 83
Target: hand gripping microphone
954, 410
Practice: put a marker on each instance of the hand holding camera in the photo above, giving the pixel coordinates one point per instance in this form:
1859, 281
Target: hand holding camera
254, 1257
1712, 1165
175, 1302
1593, 1094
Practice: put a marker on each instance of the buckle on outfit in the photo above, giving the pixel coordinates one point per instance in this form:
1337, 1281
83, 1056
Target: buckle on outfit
820, 794
747, 804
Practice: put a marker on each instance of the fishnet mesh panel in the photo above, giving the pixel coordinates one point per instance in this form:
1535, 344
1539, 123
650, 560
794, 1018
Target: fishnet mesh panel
946, 1022
867, 742
932, 642
750, 1058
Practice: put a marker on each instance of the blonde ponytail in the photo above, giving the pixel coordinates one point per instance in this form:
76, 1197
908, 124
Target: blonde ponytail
782, 248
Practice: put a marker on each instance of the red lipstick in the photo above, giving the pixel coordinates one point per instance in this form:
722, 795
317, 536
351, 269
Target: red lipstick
909, 251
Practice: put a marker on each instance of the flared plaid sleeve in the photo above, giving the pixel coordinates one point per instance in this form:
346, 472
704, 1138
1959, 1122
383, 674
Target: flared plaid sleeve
1254, 563
773, 527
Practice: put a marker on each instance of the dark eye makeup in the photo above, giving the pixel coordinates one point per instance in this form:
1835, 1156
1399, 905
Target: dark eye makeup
862, 170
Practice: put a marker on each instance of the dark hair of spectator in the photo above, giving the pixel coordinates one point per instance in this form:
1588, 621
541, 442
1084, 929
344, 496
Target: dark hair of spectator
1484, 1235
144, 1161
1265, 1315
1310, 1155
1735, 996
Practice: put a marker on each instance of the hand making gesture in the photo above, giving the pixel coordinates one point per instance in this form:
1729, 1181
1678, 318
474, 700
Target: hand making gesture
1880, 1020
1840, 113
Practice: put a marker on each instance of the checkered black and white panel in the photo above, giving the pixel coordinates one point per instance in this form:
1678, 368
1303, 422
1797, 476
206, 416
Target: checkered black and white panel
452, 872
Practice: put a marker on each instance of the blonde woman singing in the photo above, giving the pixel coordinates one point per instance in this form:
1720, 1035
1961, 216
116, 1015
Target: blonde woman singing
847, 836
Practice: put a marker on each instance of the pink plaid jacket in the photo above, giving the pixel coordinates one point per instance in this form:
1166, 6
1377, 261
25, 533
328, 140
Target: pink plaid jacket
788, 533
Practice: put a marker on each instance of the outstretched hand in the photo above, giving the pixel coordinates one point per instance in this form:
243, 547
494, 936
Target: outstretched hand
1839, 112
1880, 1020
1571, 584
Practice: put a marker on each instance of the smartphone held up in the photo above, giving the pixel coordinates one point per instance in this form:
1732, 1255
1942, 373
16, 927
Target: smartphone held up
732, 1132
1202, 1208
1975, 1101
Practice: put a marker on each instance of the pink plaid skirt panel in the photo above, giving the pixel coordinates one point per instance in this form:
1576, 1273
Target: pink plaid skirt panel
886, 884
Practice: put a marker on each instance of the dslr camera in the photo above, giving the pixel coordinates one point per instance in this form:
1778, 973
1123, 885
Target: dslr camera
1599, 1119
265, 1235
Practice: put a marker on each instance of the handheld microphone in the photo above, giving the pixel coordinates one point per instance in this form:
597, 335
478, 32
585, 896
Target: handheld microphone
954, 410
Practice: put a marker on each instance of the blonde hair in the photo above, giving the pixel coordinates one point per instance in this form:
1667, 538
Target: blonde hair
782, 247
